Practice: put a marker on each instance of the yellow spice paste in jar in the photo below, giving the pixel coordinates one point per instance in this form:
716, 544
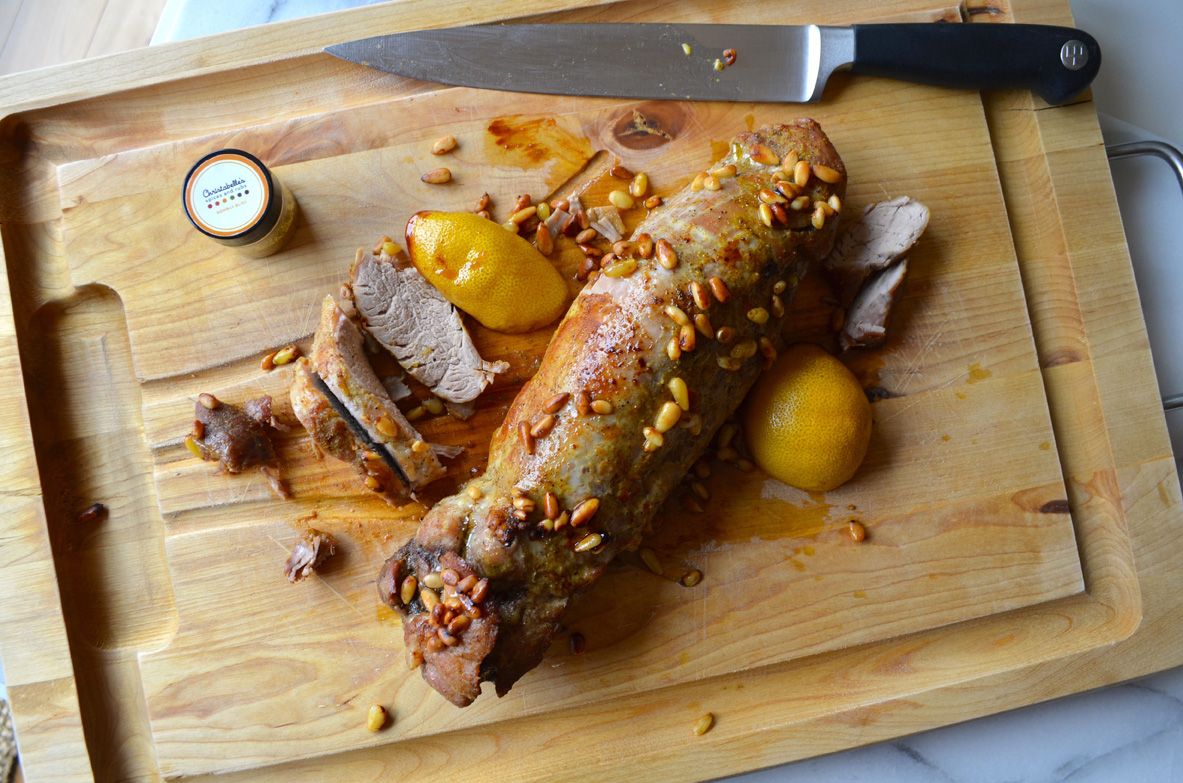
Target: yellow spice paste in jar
235, 200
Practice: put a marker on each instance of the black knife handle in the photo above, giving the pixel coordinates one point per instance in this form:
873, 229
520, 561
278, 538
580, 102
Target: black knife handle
1056, 63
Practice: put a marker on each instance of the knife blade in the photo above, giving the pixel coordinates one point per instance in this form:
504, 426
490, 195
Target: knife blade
771, 63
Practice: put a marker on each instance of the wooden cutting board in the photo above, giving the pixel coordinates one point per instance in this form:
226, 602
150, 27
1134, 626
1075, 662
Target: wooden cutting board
168, 634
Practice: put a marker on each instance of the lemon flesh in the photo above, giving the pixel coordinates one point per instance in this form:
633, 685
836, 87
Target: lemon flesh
807, 420
494, 275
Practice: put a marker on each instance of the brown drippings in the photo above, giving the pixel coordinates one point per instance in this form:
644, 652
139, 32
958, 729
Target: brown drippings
649, 125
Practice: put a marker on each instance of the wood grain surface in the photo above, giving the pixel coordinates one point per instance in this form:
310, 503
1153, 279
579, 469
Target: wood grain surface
169, 635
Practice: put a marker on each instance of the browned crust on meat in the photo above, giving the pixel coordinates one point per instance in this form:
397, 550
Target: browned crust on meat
611, 345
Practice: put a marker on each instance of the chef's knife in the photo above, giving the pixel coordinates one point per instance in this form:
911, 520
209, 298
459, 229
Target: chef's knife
772, 63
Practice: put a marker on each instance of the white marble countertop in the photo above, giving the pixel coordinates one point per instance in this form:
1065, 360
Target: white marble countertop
1129, 732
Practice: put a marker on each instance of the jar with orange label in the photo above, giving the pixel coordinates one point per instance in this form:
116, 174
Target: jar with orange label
235, 200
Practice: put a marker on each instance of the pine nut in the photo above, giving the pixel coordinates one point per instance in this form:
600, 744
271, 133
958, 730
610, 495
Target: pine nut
550, 506
458, 624
561, 203
835, 203
654, 440
789, 190
819, 218
555, 404
639, 185
724, 172
667, 417
729, 56
590, 541
419, 447
801, 173
443, 145
434, 405
780, 287
677, 314
699, 293
544, 426
525, 437
691, 505
591, 251
373, 484
583, 513
691, 578
763, 155
620, 267
729, 364
672, 350
779, 213
711, 184
286, 354
437, 176
475, 493
726, 435
703, 324
645, 246
621, 200
434, 581
585, 236
725, 335
790, 161
702, 469
667, 257
621, 247
416, 413
543, 211
511, 226
649, 558
766, 215
697, 184
704, 724
208, 401
744, 349
826, 174
376, 718
758, 315
482, 203
771, 197
524, 214
543, 240
480, 591
466, 584
681, 393
826, 209
778, 306
700, 489
428, 596
653, 202
686, 338
602, 407
583, 403
767, 349
799, 204
620, 172
719, 289
407, 590
386, 426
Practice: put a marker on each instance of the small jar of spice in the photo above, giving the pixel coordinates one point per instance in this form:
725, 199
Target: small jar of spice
235, 200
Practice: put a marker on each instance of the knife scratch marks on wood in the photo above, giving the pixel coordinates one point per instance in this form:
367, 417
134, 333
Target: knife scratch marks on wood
917, 398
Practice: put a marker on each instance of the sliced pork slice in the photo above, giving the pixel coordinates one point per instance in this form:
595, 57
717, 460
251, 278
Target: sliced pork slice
338, 436
340, 373
421, 329
866, 320
882, 235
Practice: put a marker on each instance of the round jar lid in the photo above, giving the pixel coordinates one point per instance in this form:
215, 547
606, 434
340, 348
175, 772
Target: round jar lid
229, 195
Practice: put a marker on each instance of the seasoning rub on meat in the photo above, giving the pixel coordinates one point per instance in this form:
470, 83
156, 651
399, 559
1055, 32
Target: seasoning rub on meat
643, 369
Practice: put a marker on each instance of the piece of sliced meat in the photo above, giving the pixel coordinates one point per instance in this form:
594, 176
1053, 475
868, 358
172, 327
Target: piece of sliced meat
421, 329
312, 548
339, 358
334, 434
237, 438
883, 234
866, 320
607, 472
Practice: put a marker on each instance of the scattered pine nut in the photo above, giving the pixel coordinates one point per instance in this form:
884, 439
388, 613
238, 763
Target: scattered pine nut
856, 530
376, 718
95, 513
443, 144
437, 176
704, 724
692, 577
